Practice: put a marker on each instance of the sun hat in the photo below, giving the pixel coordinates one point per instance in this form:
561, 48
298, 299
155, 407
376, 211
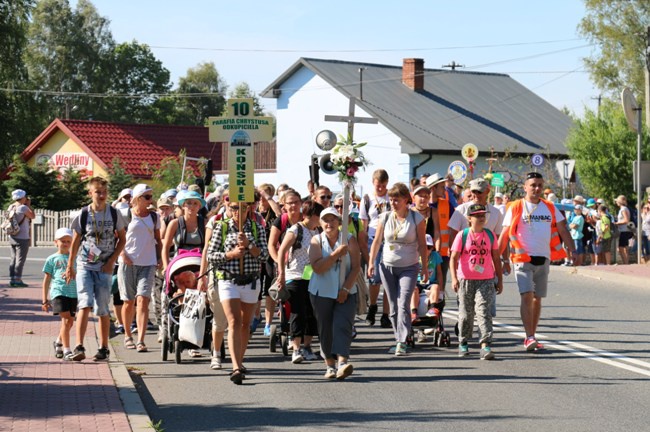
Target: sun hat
18, 194
429, 240
62, 232
126, 191
185, 195
140, 189
476, 209
330, 211
420, 189
579, 198
434, 179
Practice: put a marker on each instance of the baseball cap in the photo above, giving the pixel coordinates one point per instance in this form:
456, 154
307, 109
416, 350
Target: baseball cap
591, 202
330, 211
140, 189
434, 179
476, 209
165, 202
62, 232
600, 201
420, 189
498, 195
18, 194
479, 184
126, 191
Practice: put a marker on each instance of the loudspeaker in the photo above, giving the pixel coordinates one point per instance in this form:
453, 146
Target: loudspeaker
326, 164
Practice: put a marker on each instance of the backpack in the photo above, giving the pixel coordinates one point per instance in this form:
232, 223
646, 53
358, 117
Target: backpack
10, 225
466, 233
84, 220
153, 214
183, 230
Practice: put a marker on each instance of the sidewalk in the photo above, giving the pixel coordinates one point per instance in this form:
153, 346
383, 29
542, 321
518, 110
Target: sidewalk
40, 392
637, 275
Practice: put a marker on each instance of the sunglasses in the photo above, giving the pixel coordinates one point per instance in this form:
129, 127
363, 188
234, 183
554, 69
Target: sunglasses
533, 175
338, 207
326, 197
236, 207
476, 192
147, 197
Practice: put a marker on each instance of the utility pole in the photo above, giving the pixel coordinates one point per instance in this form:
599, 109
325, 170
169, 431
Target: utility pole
599, 99
647, 78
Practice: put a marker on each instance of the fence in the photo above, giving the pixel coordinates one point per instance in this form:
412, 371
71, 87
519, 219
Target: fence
43, 227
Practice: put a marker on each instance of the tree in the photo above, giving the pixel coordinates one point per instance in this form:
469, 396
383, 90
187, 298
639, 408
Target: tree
118, 178
168, 174
604, 148
71, 191
200, 80
243, 90
39, 181
619, 30
15, 121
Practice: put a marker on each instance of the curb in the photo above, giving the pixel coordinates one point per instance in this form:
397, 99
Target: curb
613, 277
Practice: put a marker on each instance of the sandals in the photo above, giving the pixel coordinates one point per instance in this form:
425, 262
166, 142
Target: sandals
128, 343
141, 347
195, 353
237, 376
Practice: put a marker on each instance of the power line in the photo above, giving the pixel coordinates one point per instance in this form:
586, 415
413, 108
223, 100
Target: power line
260, 50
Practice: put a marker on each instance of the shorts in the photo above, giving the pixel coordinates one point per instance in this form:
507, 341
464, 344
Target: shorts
606, 245
249, 293
532, 278
579, 246
624, 239
135, 280
219, 320
376, 278
64, 304
93, 290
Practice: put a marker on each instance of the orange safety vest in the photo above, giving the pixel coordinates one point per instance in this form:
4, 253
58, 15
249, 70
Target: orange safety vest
443, 215
517, 252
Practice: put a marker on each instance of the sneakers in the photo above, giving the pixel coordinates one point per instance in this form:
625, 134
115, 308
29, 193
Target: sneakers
354, 332
530, 343
433, 312
384, 321
267, 330
372, 311
400, 349
102, 354
345, 370
486, 353
119, 329
134, 328
308, 354
463, 350
539, 346
330, 373
20, 284
254, 324
297, 357
67, 356
215, 363
422, 337
79, 353
58, 349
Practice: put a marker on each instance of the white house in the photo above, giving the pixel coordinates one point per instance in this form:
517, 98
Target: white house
425, 118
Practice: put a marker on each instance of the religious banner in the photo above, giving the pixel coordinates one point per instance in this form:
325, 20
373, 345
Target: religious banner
241, 129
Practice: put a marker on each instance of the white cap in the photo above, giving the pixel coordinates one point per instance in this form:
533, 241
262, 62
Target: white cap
330, 211
429, 240
498, 195
62, 232
18, 194
124, 192
140, 189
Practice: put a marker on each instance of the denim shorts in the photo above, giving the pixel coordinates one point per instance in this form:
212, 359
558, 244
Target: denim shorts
135, 280
93, 290
579, 246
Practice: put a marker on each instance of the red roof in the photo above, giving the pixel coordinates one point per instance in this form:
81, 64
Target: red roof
137, 145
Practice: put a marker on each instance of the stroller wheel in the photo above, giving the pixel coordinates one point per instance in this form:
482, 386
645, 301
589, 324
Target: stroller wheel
164, 348
446, 339
284, 342
273, 339
436, 338
456, 329
177, 351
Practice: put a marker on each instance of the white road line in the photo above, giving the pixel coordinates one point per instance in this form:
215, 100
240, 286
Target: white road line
577, 349
28, 259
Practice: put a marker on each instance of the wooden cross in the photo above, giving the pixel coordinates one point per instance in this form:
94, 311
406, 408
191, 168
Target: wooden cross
350, 119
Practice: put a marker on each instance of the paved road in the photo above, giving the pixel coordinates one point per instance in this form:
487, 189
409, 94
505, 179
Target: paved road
593, 376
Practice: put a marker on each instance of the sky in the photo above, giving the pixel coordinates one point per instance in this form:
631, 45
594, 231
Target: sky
536, 43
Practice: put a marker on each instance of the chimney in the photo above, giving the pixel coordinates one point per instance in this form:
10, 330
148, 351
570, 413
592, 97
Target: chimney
413, 73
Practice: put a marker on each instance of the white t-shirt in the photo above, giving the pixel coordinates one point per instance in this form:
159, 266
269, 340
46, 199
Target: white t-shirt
501, 207
621, 217
459, 220
534, 230
140, 244
377, 206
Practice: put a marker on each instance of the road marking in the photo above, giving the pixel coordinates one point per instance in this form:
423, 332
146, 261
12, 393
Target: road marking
28, 259
578, 349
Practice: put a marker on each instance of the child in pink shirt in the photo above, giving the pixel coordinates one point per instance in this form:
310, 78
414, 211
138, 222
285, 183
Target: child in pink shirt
475, 261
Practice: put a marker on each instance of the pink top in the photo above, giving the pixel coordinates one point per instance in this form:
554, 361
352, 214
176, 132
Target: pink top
476, 258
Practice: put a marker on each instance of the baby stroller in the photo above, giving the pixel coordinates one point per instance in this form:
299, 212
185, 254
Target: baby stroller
173, 303
427, 325
284, 312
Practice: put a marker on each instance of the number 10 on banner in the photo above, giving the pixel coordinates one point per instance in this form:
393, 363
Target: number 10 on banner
240, 107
